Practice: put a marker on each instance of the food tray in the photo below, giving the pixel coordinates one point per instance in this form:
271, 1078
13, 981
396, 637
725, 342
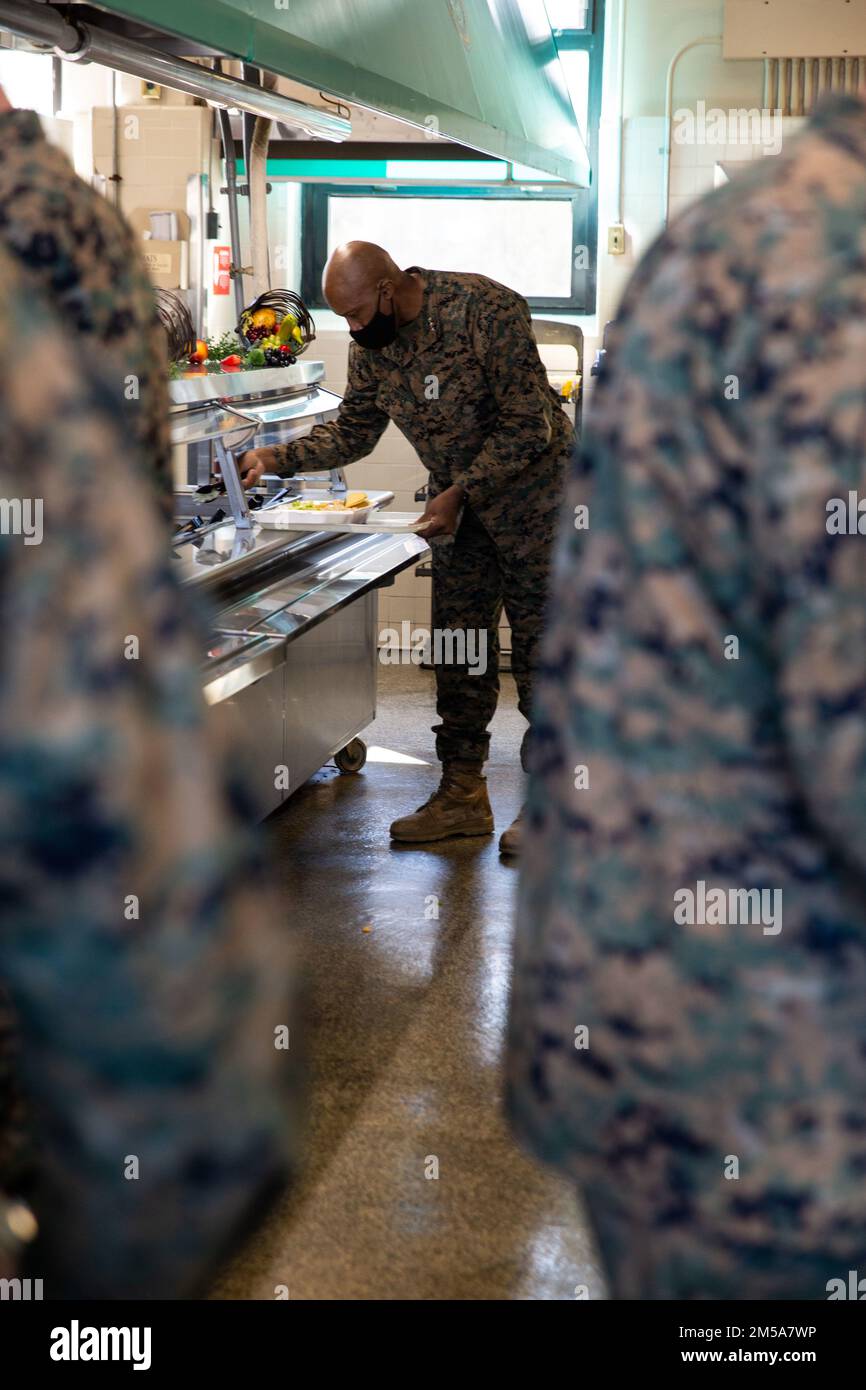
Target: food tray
367, 519
288, 515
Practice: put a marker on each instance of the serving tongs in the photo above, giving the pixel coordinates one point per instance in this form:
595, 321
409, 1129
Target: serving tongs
228, 432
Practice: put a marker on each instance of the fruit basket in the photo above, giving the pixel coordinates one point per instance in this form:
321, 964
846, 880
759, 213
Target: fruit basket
278, 319
177, 322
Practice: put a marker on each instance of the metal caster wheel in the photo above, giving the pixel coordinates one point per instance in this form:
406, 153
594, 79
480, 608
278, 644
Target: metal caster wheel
353, 757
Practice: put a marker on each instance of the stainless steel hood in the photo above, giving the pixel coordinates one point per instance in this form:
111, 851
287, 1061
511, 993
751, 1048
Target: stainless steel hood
77, 41
485, 73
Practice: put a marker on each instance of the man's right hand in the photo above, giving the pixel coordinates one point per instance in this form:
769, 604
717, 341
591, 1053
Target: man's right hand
255, 463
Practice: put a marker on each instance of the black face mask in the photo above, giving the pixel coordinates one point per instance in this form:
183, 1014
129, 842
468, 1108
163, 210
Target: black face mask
379, 332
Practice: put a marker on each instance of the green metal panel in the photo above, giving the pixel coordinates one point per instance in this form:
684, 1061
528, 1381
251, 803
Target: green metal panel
483, 72
481, 172
322, 168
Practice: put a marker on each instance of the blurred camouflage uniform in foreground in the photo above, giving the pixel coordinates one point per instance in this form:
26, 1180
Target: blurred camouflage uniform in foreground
465, 384
75, 250
708, 519
143, 1035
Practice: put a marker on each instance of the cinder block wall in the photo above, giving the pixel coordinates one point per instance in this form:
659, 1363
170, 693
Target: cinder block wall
158, 147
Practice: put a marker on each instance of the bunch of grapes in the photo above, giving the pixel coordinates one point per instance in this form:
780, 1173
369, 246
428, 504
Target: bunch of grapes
256, 335
279, 356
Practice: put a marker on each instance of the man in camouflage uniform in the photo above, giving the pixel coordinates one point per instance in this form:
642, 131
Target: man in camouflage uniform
701, 719
77, 251
452, 360
139, 943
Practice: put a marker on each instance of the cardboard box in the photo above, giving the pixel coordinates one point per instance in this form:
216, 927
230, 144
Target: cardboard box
167, 261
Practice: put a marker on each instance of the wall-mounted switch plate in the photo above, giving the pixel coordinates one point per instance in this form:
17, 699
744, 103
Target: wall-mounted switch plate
616, 239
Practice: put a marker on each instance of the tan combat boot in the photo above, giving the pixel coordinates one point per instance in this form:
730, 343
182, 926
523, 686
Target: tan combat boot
459, 806
511, 840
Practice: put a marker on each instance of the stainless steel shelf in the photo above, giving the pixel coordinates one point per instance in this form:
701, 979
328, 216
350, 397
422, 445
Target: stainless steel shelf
256, 385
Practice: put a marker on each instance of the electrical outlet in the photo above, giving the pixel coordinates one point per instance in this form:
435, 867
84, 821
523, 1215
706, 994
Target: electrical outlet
616, 239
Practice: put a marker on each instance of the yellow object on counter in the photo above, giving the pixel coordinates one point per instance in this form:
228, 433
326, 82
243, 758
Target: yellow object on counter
354, 501
570, 389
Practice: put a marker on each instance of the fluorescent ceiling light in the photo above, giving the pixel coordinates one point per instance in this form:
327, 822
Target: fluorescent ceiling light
452, 170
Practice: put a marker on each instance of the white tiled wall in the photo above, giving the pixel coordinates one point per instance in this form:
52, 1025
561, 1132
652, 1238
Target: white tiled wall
693, 173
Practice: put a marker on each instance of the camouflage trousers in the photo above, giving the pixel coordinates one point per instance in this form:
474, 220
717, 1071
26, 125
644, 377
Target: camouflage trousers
671, 1255
474, 578
16, 1155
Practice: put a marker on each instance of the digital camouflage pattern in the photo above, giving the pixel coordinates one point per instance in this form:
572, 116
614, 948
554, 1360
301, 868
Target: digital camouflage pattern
465, 384
471, 579
139, 941
733, 409
77, 251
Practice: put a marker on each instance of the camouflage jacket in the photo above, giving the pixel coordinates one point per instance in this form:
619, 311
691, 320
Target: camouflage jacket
701, 718
465, 384
140, 945
77, 251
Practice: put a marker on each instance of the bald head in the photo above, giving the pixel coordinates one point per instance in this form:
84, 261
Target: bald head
361, 277
355, 268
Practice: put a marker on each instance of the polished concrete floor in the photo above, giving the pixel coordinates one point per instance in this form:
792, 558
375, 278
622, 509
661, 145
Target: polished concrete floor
409, 956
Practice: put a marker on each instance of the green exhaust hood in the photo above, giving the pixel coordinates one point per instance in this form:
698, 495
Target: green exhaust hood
482, 72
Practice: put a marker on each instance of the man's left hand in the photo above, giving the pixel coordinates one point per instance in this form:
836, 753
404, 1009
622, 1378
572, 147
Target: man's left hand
441, 514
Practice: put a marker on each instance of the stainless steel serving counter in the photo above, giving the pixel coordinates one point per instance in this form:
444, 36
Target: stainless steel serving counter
293, 646
214, 560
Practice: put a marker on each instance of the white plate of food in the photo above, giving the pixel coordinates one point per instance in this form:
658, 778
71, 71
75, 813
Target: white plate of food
352, 509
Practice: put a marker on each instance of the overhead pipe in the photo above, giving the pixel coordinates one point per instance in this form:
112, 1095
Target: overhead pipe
620, 107
257, 186
35, 22
252, 74
228, 144
79, 42
115, 144
669, 116
257, 183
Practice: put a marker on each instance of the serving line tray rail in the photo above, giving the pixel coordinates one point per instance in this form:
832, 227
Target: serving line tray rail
289, 519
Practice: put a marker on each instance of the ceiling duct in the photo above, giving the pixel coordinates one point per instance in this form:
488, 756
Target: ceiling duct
483, 73
808, 47
794, 28
78, 42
